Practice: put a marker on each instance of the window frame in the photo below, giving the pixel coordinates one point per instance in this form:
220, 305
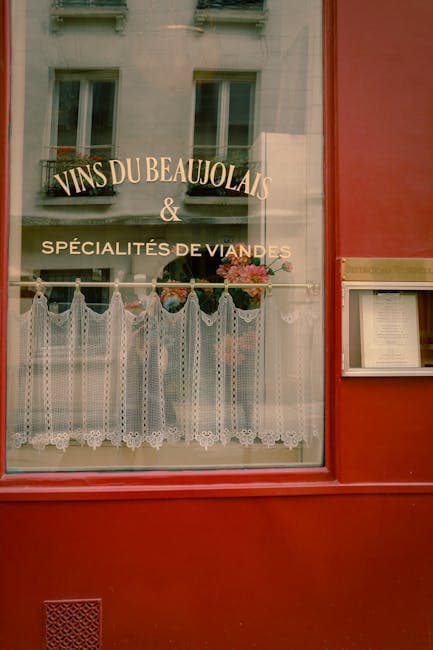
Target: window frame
85, 77
224, 79
218, 483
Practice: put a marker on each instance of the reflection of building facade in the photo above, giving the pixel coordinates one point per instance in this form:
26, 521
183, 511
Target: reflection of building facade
209, 80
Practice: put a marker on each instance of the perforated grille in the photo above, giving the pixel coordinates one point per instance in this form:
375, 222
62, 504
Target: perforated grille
73, 624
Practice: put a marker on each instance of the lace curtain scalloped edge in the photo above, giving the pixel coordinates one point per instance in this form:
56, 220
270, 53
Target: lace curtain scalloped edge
234, 376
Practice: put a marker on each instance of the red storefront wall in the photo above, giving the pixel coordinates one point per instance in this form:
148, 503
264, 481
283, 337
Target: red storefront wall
332, 559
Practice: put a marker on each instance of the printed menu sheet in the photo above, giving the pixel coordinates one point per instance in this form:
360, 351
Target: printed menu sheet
389, 330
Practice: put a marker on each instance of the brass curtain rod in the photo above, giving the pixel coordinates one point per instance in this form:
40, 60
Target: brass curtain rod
154, 284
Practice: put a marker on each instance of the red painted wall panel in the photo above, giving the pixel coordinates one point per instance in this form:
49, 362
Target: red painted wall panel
385, 429
385, 134
340, 572
322, 573
385, 208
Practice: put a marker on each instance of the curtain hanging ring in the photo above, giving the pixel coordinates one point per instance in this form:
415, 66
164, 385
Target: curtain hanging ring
192, 284
226, 286
269, 289
153, 285
77, 285
39, 287
315, 289
116, 285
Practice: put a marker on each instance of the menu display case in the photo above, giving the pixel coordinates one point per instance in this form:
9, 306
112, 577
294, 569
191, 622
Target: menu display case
387, 317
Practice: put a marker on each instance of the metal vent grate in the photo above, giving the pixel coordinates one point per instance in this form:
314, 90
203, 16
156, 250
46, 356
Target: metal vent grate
73, 624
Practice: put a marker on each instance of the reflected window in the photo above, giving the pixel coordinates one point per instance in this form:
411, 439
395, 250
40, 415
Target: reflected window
59, 298
82, 129
83, 115
224, 118
223, 122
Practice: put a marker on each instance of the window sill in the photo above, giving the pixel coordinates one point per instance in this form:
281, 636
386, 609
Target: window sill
59, 14
163, 484
255, 17
91, 486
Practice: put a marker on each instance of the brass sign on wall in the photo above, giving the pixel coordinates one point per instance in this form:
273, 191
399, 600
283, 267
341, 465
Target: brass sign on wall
374, 269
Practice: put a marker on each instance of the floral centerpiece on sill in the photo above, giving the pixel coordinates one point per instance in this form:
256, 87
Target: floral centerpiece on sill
237, 267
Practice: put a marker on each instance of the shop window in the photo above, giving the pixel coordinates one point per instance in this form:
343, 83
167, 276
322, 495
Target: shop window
82, 128
158, 331
223, 126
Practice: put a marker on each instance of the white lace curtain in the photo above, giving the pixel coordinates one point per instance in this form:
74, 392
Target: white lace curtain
236, 375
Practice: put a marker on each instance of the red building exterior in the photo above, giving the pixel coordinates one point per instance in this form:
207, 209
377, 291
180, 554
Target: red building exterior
337, 558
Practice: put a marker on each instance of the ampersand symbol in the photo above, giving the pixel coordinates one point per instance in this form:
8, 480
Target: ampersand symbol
168, 202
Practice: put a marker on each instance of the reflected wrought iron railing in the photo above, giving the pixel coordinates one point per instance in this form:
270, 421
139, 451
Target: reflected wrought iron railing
50, 187
89, 3
236, 162
230, 4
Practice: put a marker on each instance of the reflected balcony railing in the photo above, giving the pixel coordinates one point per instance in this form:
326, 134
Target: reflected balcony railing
241, 12
62, 10
230, 4
236, 163
50, 186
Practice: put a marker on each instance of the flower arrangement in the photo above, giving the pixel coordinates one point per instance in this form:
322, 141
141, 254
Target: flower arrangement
240, 268
173, 298
236, 267
67, 157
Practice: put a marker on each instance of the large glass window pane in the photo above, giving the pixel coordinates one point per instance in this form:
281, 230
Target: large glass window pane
69, 95
102, 118
206, 118
240, 120
165, 302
